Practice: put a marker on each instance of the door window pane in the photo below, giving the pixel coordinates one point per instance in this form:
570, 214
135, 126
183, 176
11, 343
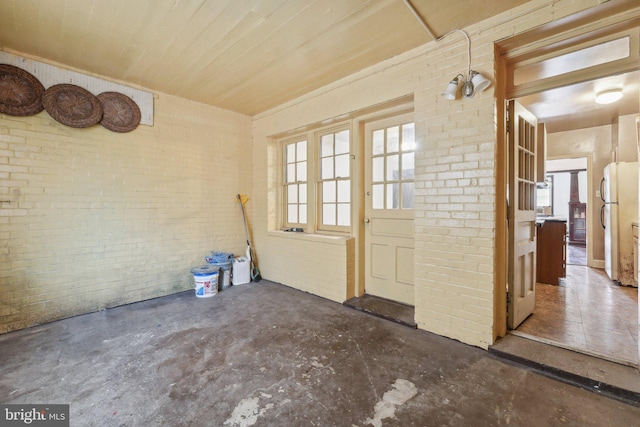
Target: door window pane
393, 196
378, 196
408, 137
378, 169
378, 142
408, 166
393, 139
392, 167
407, 195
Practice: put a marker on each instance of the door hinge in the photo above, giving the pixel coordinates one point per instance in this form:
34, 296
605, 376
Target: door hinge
508, 301
508, 117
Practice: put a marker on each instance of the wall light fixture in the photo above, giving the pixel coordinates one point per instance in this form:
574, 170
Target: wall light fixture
472, 83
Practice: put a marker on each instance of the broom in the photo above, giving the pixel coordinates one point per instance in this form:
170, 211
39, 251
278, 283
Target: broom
255, 273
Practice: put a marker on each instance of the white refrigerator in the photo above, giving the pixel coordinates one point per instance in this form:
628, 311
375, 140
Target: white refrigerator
619, 193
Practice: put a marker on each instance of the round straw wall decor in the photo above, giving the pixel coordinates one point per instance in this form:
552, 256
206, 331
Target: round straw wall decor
20, 92
121, 113
72, 105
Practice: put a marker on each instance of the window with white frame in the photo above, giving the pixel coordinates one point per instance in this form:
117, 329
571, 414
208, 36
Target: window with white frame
335, 179
295, 183
316, 184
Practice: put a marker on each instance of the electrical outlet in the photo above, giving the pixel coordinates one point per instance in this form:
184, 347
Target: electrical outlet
597, 193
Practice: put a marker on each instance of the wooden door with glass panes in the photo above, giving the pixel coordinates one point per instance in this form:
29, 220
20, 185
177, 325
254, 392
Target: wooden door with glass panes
389, 188
521, 298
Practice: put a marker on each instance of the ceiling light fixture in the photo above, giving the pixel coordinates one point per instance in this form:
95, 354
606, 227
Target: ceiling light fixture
472, 83
608, 96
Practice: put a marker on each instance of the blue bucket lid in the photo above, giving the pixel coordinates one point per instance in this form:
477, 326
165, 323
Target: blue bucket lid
219, 257
204, 270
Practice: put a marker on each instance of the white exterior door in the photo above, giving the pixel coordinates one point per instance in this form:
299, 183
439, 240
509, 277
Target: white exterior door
522, 214
389, 186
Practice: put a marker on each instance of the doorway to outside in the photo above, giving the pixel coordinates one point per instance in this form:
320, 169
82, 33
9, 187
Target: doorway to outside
388, 237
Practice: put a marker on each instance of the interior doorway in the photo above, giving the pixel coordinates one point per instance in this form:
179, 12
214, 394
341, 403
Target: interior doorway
564, 194
584, 310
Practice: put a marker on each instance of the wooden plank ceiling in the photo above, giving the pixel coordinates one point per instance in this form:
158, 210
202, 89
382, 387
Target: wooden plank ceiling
242, 55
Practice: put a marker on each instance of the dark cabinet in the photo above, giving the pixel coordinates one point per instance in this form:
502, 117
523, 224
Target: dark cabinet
551, 251
577, 223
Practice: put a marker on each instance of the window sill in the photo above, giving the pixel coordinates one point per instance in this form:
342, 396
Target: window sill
323, 238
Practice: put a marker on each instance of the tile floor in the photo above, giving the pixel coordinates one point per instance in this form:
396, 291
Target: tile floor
576, 254
588, 313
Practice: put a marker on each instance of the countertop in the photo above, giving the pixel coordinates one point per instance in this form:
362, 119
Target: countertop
542, 219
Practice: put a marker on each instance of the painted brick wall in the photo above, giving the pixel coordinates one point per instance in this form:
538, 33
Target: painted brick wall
92, 219
455, 170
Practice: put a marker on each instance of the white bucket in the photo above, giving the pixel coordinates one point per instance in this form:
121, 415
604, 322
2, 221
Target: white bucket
241, 273
206, 281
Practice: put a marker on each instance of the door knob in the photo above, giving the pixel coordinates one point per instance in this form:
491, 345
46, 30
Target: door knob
367, 220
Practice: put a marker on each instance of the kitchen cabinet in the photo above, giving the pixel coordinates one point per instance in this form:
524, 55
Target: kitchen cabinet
551, 251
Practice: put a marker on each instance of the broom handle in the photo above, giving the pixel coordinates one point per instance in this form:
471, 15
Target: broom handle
244, 220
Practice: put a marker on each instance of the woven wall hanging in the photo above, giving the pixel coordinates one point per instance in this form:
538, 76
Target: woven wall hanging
120, 113
72, 105
20, 92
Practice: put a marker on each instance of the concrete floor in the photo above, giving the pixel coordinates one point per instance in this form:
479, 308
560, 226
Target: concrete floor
265, 354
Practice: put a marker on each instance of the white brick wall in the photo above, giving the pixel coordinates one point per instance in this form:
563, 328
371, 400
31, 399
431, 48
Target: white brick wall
455, 199
94, 219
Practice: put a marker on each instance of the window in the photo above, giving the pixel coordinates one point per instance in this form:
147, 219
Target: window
335, 179
577, 60
316, 183
295, 183
393, 164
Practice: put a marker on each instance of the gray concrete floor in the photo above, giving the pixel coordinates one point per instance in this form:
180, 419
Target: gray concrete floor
265, 354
